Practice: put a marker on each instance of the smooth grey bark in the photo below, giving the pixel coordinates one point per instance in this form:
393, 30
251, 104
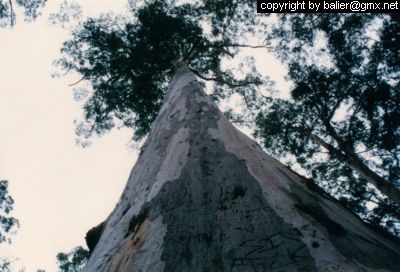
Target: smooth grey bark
205, 197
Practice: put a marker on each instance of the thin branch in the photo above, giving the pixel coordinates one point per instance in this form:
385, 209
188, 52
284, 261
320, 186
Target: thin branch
191, 53
222, 80
367, 150
245, 98
244, 45
261, 94
322, 152
11, 13
73, 84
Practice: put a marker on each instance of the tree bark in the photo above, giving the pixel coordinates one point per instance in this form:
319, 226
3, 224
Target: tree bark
355, 163
205, 197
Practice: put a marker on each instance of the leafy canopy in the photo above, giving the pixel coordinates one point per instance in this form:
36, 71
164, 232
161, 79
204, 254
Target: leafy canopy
130, 62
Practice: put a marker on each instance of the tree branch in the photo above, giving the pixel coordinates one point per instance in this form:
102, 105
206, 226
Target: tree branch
11, 13
244, 45
73, 84
221, 80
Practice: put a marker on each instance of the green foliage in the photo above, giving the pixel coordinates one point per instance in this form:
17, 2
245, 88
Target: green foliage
73, 261
346, 72
68, 12
5, 265
31, 8
7, 10
8, 224
130, 62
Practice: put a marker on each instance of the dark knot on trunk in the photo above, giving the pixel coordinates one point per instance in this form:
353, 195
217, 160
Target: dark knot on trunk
93, 236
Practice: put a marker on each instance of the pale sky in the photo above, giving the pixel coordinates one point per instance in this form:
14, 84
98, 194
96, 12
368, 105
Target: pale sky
60, 189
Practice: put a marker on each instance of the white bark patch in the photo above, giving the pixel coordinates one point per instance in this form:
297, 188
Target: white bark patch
178, 113
174, 91
245, 148
174, 161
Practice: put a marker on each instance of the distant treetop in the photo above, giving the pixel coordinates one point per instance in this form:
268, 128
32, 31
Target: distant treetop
7, 10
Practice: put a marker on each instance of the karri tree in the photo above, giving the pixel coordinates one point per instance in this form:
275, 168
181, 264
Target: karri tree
130, 62
202, 196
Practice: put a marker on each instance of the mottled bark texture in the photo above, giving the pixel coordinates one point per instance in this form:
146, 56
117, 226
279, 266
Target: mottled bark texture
205, 197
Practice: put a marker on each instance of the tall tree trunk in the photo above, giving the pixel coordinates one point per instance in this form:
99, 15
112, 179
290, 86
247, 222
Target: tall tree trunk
355, 163
204, 197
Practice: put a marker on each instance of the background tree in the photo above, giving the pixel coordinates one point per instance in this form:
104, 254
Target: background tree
73, 261
30, 8
8, 224
342, 123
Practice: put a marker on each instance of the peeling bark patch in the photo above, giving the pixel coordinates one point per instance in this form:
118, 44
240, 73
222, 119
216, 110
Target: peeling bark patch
93, 236
130, 248
136, 221
137, 234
